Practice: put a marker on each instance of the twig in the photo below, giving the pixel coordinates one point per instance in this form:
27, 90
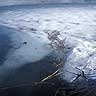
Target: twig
50, 76
60, 64
58, 74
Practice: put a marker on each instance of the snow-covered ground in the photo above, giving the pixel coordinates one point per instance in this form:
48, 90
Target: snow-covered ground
78, 25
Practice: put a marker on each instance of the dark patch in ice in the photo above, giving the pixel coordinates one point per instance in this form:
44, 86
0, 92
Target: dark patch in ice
47, 20
20, 28
78, 49
33, 29
25, 42
60, 21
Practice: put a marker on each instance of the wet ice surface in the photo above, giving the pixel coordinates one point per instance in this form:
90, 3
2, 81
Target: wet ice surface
19, 54
78, 25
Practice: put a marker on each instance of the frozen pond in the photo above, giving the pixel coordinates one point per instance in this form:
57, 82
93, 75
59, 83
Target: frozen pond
76, 24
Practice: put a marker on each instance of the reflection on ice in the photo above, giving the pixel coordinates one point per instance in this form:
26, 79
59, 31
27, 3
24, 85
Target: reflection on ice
32, 50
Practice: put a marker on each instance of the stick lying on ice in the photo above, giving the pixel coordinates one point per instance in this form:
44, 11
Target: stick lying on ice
50, 76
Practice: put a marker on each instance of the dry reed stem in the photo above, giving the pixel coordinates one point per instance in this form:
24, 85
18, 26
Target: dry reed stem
60, 64
58, 74
50, 76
